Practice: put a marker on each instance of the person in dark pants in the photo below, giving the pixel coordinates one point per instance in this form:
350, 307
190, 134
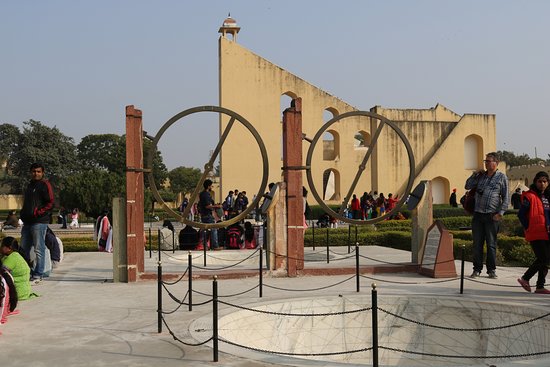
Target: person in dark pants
491, 201
534, 215
206, 208
36, 215
452, 199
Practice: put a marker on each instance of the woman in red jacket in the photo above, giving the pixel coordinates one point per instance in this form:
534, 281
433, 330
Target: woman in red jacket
534, 215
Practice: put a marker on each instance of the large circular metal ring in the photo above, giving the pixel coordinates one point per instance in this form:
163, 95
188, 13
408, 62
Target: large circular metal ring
383, 121
208, 166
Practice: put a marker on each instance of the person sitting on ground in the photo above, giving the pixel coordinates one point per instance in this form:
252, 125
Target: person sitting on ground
249, 240
13, 262
167, 235
8, 296
11, 221
74, 219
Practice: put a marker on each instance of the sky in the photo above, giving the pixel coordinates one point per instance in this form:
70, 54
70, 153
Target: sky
76, 64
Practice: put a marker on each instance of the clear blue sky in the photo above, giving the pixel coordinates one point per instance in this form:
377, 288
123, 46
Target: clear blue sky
77, 64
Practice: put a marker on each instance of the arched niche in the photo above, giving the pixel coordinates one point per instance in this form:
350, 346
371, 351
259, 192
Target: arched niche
331, 138
331, 184
440, 190
361, 139
473, 152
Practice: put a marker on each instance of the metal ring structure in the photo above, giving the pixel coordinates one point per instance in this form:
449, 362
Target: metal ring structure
208, 166
383, 121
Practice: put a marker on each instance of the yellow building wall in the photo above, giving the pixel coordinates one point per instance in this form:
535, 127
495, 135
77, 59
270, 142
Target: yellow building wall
252, 86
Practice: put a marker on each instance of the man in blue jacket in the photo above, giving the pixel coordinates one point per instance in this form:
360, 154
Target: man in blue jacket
36, 215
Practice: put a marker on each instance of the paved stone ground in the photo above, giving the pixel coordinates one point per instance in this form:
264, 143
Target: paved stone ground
82, 318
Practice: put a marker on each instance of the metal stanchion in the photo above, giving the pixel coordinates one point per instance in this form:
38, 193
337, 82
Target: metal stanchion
215, 317
462, 270
313, 235
150, 244
159, 295
355, 233
190, 279
174, 241
204, 244
158, 241
357, 267
374, 326
261, 272
328, 260
349, 235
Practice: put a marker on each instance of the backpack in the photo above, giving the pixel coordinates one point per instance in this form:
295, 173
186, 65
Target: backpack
234, 235
469, 202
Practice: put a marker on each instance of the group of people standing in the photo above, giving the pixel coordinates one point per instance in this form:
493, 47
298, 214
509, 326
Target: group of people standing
371, 205
491, 201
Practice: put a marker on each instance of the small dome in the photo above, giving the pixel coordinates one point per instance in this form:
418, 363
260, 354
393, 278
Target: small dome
229, 22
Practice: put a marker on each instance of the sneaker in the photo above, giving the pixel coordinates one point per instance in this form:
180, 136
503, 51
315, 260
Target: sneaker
542, 291
525, 284
35, 280
475, 274
492, 274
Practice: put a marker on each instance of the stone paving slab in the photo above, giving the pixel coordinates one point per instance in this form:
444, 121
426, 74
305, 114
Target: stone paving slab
82, 318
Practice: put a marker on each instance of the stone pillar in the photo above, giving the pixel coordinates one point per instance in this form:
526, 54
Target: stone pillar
292, 161
120, 267
422, 219
276, 230
134, 193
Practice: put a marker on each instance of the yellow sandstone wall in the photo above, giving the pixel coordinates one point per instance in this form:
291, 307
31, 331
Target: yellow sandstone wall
446, 146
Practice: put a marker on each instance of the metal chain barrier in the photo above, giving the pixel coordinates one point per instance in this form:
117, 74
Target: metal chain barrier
466, 357
464, 329
295, 354
411, 283
181, 341
296, 314
228, 295
309, 289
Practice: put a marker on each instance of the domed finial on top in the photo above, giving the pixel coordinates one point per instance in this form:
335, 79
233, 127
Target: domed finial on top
229, 26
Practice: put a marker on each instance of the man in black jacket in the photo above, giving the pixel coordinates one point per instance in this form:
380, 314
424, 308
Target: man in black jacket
36, 215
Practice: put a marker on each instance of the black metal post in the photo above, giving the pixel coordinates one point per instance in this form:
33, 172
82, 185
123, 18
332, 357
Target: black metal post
355, 233
150, 244
174, 241
158, 241
313, 235
349, 235
159, 296
462, 271
215, 317
261, 272
374, 326
204, 245
190, 279
327, 248
357, 285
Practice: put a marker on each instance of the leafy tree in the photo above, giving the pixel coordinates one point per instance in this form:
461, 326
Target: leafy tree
184, 179
9, 136
39, 143
103, 151
514, 160
92, 190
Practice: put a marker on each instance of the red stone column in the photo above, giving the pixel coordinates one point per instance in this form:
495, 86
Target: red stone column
292, 161
134, 193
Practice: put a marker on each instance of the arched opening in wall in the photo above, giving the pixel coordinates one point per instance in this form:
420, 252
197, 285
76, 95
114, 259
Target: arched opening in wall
331, 144
440, 190
361, 139
331, 138
285, 102
473, 152
331, 185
